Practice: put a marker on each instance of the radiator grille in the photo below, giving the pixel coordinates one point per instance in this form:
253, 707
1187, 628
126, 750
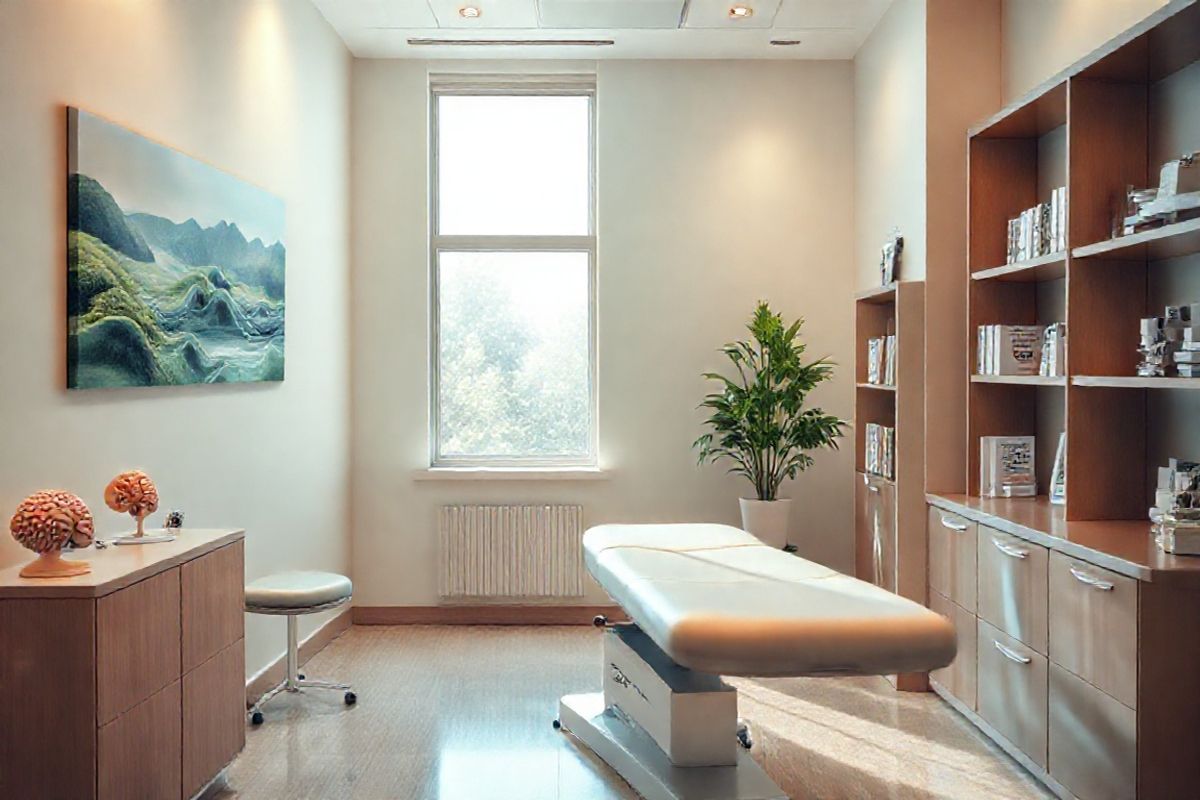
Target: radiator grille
495, 552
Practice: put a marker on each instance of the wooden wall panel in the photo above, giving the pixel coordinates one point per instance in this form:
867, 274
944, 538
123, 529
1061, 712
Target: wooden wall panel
138, 752
212, 596
1003, 183
1106, 440
137, 643
1106, 300
47, 661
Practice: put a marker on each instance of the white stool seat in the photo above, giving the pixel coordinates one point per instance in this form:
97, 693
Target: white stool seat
298, 591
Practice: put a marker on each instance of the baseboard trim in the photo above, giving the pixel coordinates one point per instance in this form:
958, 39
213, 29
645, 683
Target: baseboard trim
484, 615
274, 673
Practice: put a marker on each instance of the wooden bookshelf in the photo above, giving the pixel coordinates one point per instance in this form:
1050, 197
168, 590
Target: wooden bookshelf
1045, 268
1134, 382
1021, 380
1169, 241
890, 514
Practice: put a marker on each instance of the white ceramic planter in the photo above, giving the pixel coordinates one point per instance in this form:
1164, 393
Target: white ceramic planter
767, 520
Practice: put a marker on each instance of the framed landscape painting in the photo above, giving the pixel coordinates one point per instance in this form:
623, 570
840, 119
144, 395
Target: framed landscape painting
175, 269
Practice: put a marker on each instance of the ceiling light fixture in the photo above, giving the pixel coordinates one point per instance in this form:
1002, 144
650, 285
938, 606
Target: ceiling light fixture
470, 12
426, 42
785, 42
741, 12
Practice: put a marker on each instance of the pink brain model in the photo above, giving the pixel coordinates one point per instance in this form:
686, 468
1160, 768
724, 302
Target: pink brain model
132, 492
46, 521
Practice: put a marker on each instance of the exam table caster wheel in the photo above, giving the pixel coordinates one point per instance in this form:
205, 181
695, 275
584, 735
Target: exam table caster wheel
351, 698
557, 725
599, 621
300, 676
743, 736
256, 718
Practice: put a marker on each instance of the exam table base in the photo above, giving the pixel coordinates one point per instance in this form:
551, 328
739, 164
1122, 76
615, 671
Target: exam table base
641, 762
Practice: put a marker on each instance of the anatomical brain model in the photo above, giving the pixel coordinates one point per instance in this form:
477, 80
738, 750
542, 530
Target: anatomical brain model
133, 493
45, 523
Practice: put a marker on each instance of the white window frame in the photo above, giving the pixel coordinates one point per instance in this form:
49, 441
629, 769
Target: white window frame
510, 85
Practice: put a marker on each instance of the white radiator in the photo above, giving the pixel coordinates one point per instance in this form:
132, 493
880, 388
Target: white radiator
514, 552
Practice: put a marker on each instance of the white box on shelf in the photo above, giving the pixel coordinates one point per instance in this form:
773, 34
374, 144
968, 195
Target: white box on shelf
1007, 466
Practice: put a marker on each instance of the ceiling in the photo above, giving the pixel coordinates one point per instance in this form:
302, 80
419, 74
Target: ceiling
825, 29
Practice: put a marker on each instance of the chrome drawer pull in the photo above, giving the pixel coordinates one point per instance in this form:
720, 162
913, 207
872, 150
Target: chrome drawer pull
1009, 550
1095, 583
954, 526
1010, 655
872, 487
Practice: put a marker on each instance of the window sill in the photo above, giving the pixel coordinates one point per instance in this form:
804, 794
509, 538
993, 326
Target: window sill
512, 474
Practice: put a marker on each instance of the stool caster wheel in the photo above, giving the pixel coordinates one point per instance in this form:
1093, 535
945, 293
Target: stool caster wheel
351, 698
599, 621
256, 718
300, 676
557, 725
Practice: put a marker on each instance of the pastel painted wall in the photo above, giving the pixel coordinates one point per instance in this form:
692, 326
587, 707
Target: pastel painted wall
1042, 37
889, 141
259, 88
718, 185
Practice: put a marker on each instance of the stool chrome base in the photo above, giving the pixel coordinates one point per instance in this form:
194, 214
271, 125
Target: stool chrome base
295, 680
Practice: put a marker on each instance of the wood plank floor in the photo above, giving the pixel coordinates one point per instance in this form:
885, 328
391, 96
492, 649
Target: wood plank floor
464, 713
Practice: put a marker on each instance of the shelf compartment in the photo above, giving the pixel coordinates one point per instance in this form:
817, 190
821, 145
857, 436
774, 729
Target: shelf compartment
878, 387
1134, 382
1021, 380
878, 294
1169, 241
1045, 268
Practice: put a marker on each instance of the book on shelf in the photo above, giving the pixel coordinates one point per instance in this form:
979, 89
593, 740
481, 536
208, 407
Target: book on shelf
1039, 231
880, 448
1010, 349
1054, 351
881, 360
1007, 466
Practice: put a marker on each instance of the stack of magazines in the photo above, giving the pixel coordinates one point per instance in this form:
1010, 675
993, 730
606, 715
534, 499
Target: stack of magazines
881, 360
1007, 466
1039, 231
880, 450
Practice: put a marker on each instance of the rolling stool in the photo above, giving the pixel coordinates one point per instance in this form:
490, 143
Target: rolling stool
291, 594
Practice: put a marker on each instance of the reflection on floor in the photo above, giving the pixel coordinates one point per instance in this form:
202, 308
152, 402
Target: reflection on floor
454, 713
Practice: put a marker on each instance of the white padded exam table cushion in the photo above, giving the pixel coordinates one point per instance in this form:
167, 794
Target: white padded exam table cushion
718, 600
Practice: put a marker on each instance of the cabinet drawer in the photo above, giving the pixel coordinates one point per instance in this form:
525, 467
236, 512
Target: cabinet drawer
138, 752
137, 643
1012, 586
212, 591
1093, 625
952, 553
1012, 691
959, 677
1093, 740
214, 716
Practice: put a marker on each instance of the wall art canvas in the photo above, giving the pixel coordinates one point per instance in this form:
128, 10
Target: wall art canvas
175, 269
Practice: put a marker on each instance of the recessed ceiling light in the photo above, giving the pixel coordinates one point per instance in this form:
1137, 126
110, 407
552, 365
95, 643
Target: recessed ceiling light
741, 12
470, 12
785, 42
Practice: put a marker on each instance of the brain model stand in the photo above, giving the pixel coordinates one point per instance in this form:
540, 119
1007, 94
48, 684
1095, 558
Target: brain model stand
134, 493
46, 523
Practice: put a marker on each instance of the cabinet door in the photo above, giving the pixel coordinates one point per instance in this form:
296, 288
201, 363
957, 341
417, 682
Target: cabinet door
952, 557
212, 591
1012, 586
137, 643
1013, 691
214, 716
875, 531
1093, 740
138, 752
1093, 625
959, 677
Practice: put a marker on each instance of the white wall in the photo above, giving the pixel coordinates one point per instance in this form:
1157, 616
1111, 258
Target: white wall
1042, 37
889, 141
719, 183
259, 88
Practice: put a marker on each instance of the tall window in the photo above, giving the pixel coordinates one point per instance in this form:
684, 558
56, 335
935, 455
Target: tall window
513, 250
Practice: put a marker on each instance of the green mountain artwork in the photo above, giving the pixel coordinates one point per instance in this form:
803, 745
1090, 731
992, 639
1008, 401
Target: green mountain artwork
175, 270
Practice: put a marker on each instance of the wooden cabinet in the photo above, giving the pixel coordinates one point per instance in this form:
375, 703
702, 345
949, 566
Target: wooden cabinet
1013, 682
128, 681
952, 554
876, 531
1093, 625
1093, 739
1012, 586
958, 678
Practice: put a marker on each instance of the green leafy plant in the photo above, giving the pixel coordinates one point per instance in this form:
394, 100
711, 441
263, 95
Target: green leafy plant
758, 419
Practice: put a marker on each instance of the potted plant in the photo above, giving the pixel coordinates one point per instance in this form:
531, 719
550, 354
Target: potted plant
759, 420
